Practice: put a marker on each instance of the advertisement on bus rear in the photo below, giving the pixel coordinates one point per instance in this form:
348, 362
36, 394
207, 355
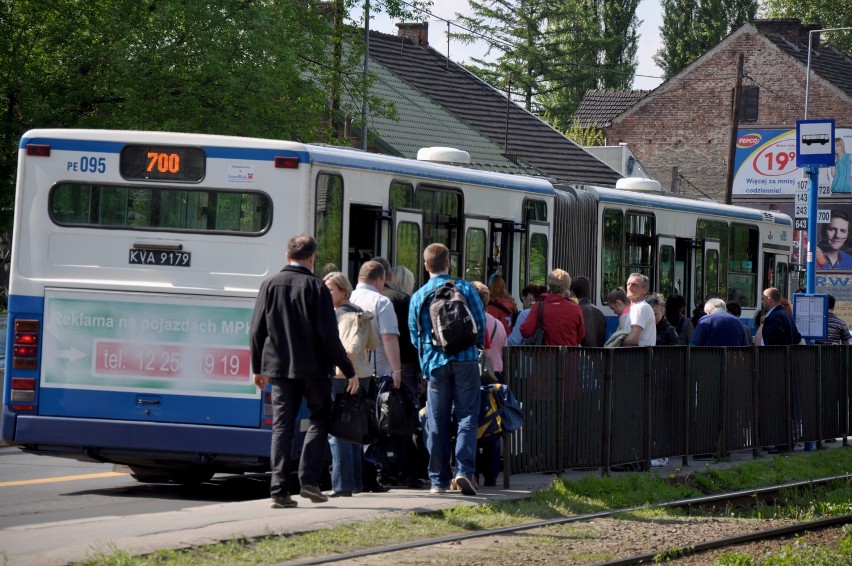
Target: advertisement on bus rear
125, 342
765, 164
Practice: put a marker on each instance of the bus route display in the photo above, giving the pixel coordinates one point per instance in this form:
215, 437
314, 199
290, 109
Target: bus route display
162, 163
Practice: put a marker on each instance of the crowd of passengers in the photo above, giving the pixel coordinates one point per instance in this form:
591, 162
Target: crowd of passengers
377, 334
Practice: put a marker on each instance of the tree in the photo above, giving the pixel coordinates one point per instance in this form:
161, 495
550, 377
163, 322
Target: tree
552, 51
620, 42
517, 30
262, 68
584, 135
829, 14
693, 27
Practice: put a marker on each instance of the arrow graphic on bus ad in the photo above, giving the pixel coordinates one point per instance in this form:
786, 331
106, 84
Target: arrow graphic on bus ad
72, 354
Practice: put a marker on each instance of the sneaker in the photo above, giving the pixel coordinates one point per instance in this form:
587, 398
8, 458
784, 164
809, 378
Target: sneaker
340, 494
284, 502
465, 485
313, 493
436, 489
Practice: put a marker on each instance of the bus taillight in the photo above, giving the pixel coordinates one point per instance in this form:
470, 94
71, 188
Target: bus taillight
23, 391
38, 150
286, 162
25, 349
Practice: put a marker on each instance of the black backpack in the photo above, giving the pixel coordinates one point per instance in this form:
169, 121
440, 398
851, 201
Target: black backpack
453, 326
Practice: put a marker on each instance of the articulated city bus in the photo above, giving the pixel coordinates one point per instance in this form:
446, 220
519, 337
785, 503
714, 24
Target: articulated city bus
137, 256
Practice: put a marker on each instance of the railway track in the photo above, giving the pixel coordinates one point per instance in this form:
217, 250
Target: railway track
740, 499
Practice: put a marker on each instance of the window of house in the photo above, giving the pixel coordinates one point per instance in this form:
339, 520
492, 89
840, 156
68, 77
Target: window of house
749, 97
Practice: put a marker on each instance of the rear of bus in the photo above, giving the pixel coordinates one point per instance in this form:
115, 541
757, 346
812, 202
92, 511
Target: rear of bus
135, 262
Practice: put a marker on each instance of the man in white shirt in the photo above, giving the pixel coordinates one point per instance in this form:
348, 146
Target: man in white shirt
368, 296
640, 322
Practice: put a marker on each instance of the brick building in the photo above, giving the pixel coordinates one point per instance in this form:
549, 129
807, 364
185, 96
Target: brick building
685, 122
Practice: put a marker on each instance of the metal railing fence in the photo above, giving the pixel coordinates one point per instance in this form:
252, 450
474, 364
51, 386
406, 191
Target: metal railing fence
600, 407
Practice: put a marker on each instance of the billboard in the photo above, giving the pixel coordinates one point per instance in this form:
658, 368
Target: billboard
765, 164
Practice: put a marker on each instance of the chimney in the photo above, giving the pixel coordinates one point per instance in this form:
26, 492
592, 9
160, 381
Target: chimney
417, 32
790, 28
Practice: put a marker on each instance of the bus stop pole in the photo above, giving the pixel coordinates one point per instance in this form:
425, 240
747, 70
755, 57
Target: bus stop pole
813, 173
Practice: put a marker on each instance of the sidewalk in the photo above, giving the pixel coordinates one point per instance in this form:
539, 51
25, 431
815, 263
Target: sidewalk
70, 541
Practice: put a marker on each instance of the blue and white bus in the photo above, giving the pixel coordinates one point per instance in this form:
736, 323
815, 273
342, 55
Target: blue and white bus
137, 255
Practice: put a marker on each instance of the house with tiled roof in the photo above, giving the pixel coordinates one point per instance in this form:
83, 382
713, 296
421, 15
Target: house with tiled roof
600, 106
439, 103
682, 130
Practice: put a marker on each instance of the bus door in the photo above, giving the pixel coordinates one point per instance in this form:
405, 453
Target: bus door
536, 254
776, 272
503, 248
674, 266
707, 279
407, 242
476, 248
365, 237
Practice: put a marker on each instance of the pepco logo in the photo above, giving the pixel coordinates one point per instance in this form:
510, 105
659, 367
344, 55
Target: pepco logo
748, 140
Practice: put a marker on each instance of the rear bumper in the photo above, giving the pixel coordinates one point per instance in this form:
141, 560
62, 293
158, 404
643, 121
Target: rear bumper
139, 443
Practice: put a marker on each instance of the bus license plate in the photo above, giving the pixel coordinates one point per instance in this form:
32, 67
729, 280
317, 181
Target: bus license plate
160, 257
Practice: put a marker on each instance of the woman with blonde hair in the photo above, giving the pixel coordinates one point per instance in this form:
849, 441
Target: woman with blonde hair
359, 339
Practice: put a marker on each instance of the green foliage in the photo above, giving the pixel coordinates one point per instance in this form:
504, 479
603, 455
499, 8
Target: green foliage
551, 52
693, 27
828, 14
585, 135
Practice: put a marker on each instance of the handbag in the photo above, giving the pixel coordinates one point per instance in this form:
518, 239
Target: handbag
350, 419
397, 415
537, 337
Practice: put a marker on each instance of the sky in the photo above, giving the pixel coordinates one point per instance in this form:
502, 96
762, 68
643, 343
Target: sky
649, 13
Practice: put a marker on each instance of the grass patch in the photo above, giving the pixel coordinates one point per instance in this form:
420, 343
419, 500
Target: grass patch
586, 495
798, 553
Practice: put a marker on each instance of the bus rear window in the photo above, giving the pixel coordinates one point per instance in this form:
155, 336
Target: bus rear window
161, 209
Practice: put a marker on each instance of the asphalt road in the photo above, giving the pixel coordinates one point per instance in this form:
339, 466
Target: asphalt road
41, 489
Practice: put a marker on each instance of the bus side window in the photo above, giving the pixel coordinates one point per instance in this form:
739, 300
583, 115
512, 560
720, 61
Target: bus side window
639, 245
538, 259
474, 253
611, 254
328, 221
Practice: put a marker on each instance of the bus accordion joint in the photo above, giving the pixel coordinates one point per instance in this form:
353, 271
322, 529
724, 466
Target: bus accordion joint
38, 150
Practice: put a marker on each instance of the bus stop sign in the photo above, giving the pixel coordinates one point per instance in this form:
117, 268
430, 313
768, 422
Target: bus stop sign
815, 143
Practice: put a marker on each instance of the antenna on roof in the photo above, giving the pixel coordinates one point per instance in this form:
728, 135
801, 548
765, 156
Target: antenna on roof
448, 45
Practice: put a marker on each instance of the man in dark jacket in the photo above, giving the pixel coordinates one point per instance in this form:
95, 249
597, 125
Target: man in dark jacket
779, 329
719, 328
593, 318
294, 346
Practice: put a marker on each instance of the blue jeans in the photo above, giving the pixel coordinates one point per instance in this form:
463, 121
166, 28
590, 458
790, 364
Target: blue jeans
453, 389
345, 456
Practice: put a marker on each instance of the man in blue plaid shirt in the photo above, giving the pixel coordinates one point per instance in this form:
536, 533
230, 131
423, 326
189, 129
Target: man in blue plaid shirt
453, 379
